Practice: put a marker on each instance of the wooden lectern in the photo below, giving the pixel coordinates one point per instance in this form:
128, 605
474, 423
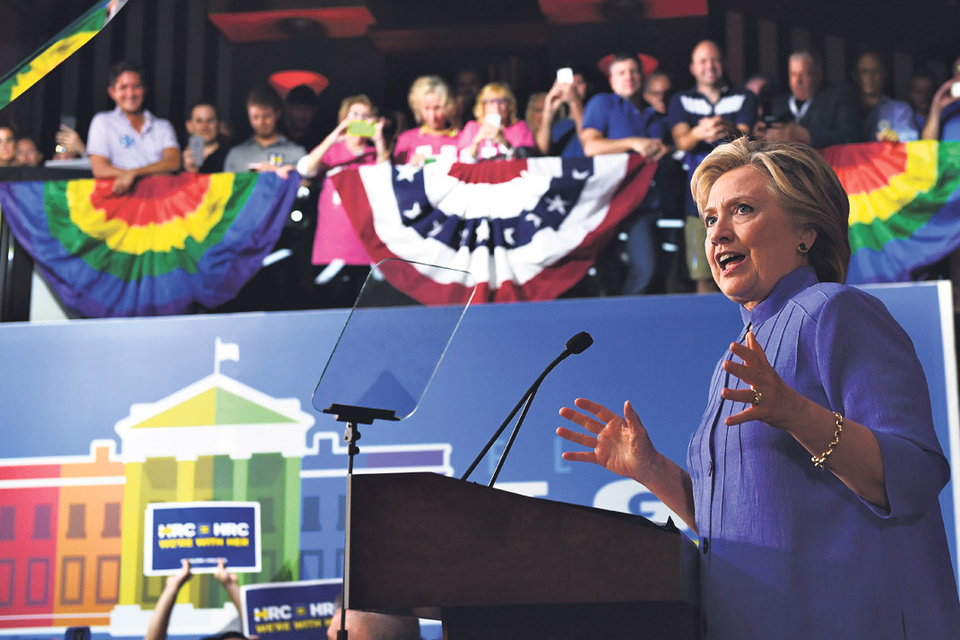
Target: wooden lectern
500, 566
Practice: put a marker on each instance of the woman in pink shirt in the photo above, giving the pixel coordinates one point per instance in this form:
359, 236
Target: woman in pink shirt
435, 138
346, 147
496, 132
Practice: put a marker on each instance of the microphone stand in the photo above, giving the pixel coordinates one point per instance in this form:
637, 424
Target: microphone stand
526, 398
513, 436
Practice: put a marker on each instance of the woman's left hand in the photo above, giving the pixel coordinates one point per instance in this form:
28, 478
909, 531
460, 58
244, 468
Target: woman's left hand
378, 129
778, 403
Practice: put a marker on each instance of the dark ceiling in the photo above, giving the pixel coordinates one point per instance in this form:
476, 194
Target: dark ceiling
927, 27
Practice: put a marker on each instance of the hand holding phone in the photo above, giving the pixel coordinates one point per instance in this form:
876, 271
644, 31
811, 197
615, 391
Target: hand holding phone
196, 145
494, 119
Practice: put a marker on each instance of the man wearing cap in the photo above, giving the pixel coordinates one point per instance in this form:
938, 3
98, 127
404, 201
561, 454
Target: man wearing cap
709, 113
130, 142
299, 117
267, 149
621, 122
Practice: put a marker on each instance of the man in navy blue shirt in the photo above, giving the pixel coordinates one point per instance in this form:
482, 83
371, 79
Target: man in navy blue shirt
621, 122
708, 114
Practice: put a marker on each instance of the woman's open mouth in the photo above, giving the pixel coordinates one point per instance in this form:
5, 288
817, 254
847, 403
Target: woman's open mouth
729, 259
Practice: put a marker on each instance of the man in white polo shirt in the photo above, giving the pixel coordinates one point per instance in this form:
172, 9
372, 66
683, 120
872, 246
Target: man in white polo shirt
130, 142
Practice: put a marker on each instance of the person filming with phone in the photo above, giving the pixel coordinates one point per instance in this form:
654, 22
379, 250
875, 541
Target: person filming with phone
943, 122
204, 153
496, 133
357, 140
559, 130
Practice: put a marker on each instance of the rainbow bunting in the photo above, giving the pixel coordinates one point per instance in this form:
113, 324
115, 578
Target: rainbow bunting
62, 46
172, 243
904, 206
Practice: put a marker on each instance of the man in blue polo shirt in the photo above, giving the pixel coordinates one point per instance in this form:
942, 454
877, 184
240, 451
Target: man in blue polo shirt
708, 114
620, 122
129, 141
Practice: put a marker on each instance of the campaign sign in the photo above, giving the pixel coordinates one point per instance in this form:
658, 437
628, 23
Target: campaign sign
289, 610
201, 532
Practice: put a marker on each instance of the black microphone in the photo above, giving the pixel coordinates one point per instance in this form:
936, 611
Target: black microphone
579, 343
575, 345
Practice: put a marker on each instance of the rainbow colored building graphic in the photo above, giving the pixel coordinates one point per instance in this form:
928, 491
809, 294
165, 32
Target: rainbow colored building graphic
71, 527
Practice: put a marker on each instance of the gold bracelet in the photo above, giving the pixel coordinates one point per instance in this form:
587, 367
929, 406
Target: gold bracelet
822, 458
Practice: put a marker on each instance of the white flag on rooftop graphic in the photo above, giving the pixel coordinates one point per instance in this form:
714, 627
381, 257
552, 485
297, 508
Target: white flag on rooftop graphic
225, 351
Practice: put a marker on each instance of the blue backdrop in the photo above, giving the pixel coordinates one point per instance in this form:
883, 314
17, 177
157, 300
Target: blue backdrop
65, 385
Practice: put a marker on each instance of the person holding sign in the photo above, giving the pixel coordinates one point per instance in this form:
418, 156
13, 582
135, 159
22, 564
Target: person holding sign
813, 478
160, 621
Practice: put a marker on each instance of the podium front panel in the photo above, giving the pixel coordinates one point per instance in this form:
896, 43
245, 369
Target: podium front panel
425, 540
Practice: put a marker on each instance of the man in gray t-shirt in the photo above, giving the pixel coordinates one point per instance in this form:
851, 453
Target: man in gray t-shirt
268, 149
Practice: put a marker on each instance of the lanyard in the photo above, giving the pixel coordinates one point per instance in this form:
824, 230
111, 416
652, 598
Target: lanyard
798, 113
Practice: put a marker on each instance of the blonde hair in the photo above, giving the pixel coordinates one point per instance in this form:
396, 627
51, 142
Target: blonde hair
349, 101
804, 186
531, 105
495, 90
429, 84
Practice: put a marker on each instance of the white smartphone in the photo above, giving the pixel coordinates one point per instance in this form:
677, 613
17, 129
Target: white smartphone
565, 75
955, 90
493, 118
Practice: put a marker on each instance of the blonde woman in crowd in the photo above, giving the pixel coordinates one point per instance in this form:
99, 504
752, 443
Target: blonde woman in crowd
431, 104
496, 132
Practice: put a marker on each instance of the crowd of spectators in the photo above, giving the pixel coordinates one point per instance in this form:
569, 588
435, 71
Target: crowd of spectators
640, 112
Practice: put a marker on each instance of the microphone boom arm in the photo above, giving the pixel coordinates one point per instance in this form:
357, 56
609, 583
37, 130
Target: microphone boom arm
530, 392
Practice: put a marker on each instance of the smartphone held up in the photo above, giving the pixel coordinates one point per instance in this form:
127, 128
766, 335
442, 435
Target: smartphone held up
362, 128
196, 145
494, 119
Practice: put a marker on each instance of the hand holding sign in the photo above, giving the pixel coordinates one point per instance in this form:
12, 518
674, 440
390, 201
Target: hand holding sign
230, 583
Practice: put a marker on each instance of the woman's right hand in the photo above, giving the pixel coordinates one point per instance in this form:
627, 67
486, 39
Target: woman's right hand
618, 443
341, 131
178, 579
487, 131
